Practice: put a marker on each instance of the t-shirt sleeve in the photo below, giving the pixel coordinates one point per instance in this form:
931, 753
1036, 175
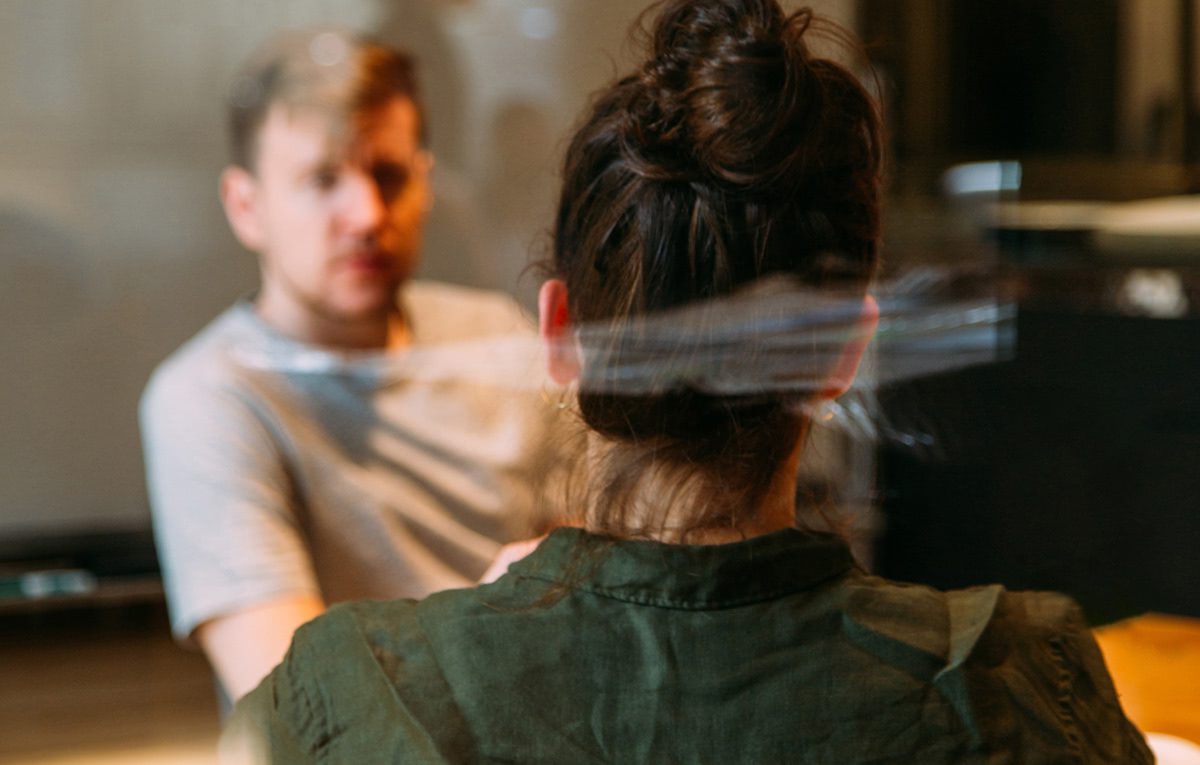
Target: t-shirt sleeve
222, 501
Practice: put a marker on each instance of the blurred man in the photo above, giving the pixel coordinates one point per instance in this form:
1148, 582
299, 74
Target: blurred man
304, 448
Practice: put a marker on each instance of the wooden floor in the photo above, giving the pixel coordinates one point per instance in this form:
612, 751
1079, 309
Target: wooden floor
102, 687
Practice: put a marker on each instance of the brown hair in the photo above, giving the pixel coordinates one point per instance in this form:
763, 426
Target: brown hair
328, 71
733, 154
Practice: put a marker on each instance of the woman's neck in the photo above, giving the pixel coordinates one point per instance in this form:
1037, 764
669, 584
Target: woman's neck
687, 503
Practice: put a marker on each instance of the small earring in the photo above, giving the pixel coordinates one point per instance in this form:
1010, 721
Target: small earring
825, 411
560, 404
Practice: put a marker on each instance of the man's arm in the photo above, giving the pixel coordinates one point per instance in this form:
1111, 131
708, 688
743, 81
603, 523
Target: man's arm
236, 566
244, 646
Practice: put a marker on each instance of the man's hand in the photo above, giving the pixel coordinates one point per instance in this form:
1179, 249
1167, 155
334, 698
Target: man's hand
508, 555
245, 646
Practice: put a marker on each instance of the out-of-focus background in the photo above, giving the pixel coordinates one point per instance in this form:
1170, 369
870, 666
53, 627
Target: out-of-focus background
1043, 152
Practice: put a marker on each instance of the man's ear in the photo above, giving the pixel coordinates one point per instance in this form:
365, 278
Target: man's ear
240, 198
558, 333
425, 163
842, 376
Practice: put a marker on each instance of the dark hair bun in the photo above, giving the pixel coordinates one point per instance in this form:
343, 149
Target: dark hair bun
731, 155
726, 89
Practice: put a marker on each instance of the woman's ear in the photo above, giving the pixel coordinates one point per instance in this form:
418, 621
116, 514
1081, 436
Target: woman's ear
239, 197
844, 371
558, 333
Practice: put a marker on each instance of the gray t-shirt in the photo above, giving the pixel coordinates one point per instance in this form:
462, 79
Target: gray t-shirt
277, 468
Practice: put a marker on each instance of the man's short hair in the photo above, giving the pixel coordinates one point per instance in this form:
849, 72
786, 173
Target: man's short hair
330, 72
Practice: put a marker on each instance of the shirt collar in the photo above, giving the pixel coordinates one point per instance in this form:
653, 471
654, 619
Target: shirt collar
688, 576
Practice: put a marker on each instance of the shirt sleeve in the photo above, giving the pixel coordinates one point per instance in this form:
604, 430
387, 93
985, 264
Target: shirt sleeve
1055, 659
258, 732
1100, 729
222, 501
339, 696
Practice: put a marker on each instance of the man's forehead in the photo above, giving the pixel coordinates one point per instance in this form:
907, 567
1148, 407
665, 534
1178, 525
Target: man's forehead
392, 126
397, 119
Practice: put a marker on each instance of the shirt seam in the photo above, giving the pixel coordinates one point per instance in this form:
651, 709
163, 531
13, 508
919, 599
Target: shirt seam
1065, 698
705, 605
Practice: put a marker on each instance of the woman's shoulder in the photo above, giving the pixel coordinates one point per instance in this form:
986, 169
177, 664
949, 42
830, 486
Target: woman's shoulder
358, 680
952, 622
357, 634
1016, 661
936, 635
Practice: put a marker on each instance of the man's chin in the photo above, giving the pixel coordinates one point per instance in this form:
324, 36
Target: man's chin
357, 314
367, 306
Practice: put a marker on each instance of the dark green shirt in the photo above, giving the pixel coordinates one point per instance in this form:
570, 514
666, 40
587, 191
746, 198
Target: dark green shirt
775, 649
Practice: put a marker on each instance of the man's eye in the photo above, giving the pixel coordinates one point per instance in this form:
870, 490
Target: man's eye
325, 179
391, 179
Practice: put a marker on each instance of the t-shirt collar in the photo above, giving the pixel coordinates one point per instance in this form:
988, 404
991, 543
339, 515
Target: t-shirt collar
259, 345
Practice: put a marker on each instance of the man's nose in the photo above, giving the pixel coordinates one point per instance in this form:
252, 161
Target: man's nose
363, 208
